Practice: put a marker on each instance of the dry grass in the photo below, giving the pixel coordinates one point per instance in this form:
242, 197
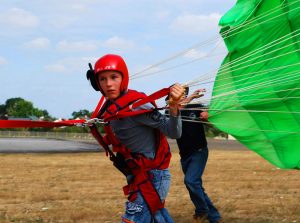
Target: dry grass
86, 188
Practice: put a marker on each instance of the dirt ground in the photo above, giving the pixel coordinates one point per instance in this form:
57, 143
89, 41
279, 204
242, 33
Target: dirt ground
84, 187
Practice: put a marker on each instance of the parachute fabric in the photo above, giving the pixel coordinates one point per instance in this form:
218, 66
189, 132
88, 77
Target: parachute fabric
256, 95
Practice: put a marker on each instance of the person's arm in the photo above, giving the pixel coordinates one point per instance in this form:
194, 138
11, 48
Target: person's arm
196, 94
170, 127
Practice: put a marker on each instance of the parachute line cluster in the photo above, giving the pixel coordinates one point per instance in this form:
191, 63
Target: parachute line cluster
256, 93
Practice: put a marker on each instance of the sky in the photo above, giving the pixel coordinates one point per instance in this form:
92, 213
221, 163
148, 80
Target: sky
46, 46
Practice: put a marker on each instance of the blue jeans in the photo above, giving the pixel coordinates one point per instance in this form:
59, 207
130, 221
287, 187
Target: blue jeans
193, 167
138, 211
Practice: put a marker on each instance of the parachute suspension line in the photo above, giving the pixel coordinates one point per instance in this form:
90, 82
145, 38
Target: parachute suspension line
258, 130
237, 97
187, 119
238, 104
227, 65
258, 86
212, 74
258, 73
238, 82
265, 47
206, 42
261, 49
290, 89
209, 41
239, 110
216, 38
253, 64
199, 82
257, 18
244, 111
251, 100
263, 55
290, 76
275, 82
241, 75
263, 84
183, 64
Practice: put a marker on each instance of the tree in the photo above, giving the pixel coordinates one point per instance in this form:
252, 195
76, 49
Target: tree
82, 114
20, 108
2, 112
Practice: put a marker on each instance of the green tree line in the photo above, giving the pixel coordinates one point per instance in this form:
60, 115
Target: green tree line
19, 108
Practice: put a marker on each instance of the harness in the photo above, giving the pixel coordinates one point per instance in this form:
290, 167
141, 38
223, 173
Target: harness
132, 163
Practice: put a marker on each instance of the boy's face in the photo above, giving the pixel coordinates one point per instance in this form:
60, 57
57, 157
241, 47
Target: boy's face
110, 83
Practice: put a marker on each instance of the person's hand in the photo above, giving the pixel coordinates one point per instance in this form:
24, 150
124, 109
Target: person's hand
204, 116
176, 93
198, 93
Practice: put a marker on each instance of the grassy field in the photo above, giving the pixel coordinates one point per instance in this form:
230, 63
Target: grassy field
84, 187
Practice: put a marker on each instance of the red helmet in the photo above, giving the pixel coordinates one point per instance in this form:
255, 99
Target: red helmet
115, 63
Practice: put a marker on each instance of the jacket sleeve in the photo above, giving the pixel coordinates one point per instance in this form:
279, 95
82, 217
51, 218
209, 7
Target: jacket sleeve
169, 126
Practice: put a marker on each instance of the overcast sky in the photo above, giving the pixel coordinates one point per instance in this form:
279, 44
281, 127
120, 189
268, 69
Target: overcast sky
46, 46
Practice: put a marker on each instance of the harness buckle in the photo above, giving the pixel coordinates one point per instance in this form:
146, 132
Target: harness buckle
90, 122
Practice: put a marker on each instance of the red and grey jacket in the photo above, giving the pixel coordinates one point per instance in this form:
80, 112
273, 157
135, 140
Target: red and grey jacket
126, 161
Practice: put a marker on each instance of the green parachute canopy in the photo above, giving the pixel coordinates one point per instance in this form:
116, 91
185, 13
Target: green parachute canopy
257, 89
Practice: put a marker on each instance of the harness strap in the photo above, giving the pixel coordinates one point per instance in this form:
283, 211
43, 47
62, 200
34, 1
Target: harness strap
140, 167
118, 161
37, 124
128, 111
101, 141
144, 185
99, 105
156, 95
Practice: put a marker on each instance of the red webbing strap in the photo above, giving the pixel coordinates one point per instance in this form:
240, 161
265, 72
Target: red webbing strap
126, 112
156, 95
95, 131
152, 197
111, 138
37, 124
96, 111
145, 186
140, 167
100, 140
116, 162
